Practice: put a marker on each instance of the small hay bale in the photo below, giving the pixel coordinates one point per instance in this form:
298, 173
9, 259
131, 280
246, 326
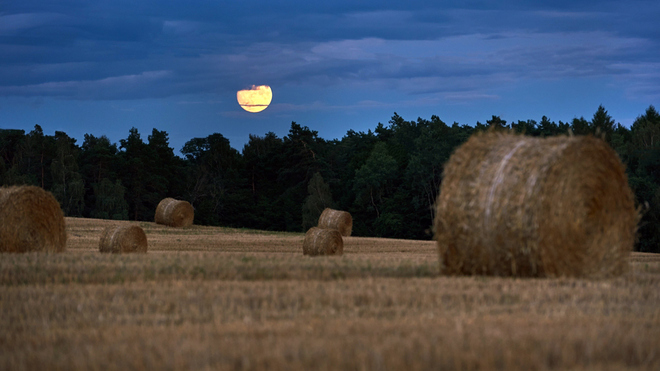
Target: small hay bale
336, 219
174, 213
319, 241
31, 219
123, 239
512, 205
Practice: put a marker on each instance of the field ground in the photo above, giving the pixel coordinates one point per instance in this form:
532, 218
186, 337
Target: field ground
207, 298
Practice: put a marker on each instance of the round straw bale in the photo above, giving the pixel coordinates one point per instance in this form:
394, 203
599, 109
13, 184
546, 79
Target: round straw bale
174, 213
513, 205
30, 220
336, 219
319, 241
123, 239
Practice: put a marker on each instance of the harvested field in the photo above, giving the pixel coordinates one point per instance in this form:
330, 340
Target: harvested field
216, 298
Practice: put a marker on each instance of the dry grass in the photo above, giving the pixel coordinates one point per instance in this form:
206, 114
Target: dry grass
244, 300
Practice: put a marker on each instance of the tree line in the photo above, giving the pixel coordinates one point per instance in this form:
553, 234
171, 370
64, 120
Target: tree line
387, 178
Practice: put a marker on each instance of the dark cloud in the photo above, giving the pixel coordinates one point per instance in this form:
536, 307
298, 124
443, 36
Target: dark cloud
146, 49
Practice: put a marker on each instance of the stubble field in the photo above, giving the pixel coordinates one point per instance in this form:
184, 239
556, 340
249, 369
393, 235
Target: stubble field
207, 298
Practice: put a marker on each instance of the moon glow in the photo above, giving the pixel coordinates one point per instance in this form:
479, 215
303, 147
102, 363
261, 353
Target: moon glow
255, 99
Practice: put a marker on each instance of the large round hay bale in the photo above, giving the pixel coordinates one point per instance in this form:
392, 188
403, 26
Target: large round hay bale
30, 220
319, 241
336, 219
174, 213
123, 239
513, 205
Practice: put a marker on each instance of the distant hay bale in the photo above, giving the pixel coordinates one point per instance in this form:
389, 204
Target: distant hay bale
513, 205
174, 213
30, 220
123, 239
336, 219
319, 241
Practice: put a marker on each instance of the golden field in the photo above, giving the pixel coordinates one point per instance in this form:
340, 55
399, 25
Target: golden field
206, 298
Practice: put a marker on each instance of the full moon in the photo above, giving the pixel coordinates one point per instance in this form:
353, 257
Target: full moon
255, 99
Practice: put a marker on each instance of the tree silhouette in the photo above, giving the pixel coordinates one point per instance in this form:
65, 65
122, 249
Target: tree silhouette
318, 198
388, 177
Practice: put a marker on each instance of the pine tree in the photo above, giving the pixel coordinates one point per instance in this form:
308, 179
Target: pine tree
68, 185
319, 197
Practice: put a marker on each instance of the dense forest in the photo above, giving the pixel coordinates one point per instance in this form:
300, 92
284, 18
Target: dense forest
387, 178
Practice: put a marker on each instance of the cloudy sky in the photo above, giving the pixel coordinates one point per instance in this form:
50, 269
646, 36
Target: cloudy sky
104, 66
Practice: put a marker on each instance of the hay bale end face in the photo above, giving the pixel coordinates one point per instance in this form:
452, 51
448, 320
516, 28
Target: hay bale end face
512, 205
319, 241
30, 220
336, 219
123, 239
174, 213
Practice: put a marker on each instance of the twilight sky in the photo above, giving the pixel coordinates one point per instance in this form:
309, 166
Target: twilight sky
104, 66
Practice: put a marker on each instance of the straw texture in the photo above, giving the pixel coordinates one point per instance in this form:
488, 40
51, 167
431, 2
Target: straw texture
30, 220
174, 213
336, 219
123, 239
320, 241
512, 205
